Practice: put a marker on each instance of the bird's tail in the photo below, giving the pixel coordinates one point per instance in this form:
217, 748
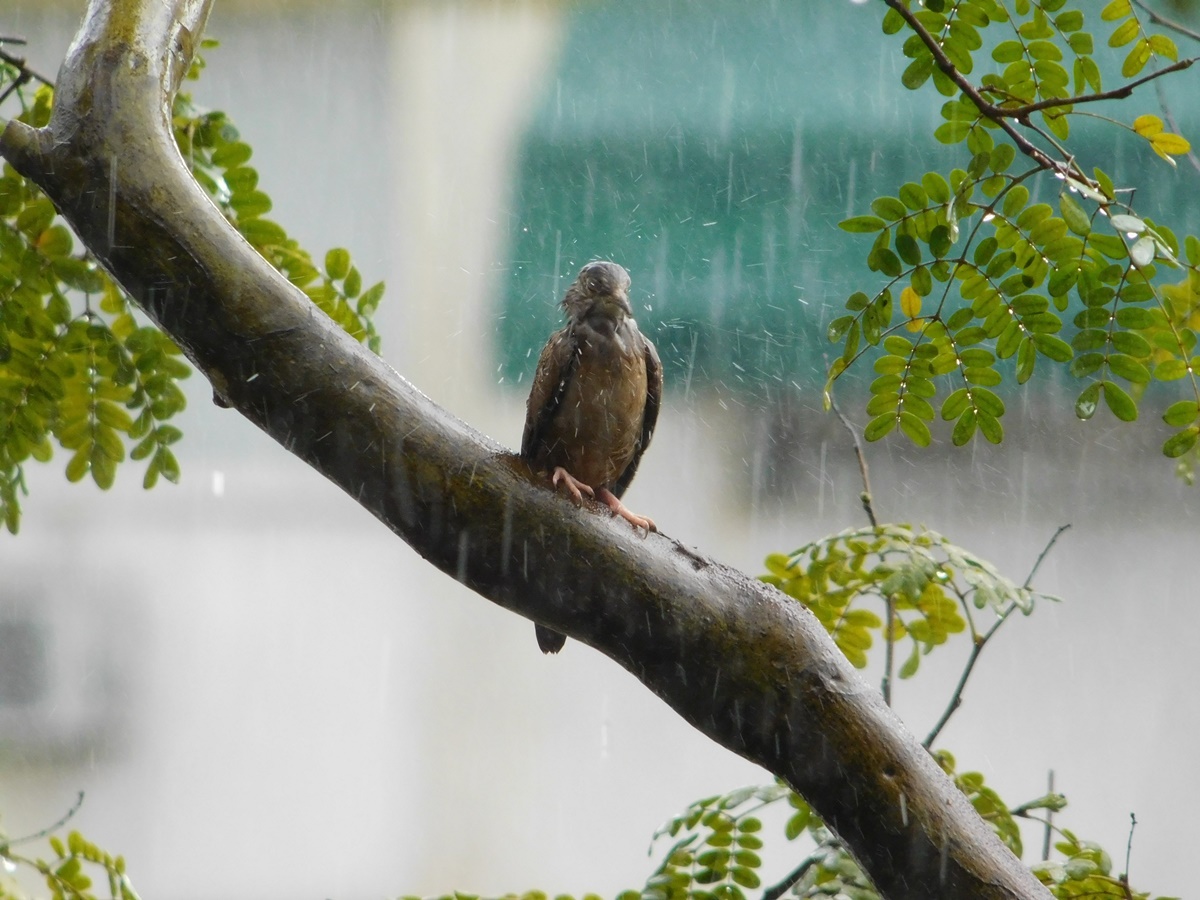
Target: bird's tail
549, 641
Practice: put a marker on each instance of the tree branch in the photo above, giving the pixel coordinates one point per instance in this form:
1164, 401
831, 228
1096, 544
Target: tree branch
25, 74
986, 108
1159, 19
1023, 112
741, 662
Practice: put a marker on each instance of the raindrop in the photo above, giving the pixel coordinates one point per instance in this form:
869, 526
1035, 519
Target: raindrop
464, 547
218, 483
112, 202
9, 865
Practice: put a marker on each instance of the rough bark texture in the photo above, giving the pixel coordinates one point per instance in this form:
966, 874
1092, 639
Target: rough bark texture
744, 664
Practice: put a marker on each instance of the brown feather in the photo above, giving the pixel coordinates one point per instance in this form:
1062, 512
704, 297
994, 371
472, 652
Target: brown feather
594, 401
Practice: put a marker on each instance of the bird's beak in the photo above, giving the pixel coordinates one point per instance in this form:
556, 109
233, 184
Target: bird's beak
619, 301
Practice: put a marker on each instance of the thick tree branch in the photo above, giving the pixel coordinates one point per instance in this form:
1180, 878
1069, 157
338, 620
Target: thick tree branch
740, 661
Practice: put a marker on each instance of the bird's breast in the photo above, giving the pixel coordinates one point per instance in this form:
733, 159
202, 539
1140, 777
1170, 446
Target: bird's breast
599, 422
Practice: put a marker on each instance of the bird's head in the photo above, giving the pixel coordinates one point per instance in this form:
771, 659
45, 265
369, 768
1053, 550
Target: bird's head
600, 291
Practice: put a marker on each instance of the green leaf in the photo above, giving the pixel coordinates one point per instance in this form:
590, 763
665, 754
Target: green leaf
1181, 442
1052, 347
964, 428
855, 225
337, 263
916, 430
888, 208
879, 426
1015, 200
838, 328
913, 196
1008, 51
918, 72
1087, 400
232, 155
1119, 402
1181, 413
1073, 214
936, 187
1137, 58
1170, 370
1124, 33
1026, 360
990, 427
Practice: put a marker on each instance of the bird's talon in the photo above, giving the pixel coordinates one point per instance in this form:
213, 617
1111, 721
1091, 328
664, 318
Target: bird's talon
574, 485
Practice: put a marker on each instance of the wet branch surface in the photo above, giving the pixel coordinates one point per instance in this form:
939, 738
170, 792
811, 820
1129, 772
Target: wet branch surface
745, 665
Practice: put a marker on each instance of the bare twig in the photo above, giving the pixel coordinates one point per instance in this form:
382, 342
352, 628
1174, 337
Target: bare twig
1045, 550
1128, 853
25, 74
1159, 19
980, 641
889, 648
49, 829
865, 496
27, 71
1005, 116
776, 891
1170, 117
956, 697
990, 110
1021, 112
1048, 833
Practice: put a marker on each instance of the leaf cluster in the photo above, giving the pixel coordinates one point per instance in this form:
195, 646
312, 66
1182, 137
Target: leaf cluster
67, 873
1085, 872
219, 160
79, 365
925, 584
983, 280
76, 367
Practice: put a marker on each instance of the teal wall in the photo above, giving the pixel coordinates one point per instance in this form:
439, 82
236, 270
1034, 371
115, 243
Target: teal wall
712, 147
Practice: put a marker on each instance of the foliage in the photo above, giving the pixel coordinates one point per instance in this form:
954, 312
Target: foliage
67, 873
79, 366
918, 577
978, 271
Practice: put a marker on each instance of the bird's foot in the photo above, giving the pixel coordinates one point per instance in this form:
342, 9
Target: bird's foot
620, 509
574, 485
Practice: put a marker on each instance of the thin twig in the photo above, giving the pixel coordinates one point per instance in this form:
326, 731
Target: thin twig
1045, 550
1159, 19
987, 109
868, 506
956, 697
778, 890
50, 829
1170, 117
889, 649
24, 71
1004, 116
1021, 112
980, 642
1128, 853
1049, 831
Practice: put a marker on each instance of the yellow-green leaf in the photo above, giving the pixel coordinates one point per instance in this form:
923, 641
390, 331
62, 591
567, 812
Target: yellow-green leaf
1147, 126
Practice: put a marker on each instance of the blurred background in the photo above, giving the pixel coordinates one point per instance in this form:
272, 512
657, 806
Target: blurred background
265, 694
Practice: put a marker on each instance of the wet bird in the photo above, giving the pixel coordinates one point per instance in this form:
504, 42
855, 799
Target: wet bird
594, 400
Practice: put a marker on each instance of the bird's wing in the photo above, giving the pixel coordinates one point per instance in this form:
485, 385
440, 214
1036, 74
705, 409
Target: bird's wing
654, 388
555, 369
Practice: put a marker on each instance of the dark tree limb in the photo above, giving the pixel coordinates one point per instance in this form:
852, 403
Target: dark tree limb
740, 661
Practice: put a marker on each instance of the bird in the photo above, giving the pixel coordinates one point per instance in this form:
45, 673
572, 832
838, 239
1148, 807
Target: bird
594, 400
